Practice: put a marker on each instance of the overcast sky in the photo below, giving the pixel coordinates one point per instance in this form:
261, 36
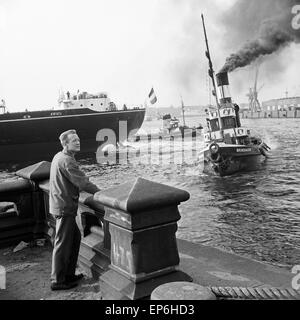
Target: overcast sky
123, 47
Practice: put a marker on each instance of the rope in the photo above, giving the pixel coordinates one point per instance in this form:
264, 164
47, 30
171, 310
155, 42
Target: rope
255, 293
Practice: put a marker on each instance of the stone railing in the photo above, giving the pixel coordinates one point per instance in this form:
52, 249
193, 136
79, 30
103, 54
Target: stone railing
22, 216
128, 232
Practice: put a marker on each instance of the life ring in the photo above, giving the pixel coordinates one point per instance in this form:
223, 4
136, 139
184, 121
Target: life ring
216, 157
214, 148
214, 152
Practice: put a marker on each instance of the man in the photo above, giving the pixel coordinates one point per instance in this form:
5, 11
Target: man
66, 181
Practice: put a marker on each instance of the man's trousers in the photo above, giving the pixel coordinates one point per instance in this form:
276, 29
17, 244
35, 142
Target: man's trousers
66, 248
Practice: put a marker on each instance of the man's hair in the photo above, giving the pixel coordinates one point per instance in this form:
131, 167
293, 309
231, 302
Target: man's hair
65, 136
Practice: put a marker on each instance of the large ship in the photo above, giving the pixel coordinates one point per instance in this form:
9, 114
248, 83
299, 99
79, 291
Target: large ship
33, 135
230, 148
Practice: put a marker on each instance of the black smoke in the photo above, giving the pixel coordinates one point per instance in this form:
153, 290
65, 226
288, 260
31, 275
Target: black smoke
270, 20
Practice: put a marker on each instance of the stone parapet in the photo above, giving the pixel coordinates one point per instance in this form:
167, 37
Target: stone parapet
142, 217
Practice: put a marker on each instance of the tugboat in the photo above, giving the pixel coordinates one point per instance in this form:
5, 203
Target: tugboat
33, 135
170, 124
186, 130
229, 148
171, 129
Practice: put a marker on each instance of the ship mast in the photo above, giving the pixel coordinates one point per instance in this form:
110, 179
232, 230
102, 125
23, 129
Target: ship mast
212, 73
183, 111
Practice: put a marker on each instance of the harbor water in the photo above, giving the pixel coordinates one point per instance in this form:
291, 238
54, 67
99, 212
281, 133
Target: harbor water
254, 214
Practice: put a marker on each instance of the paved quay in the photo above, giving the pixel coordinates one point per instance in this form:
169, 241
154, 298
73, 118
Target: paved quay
213, 267
28, 273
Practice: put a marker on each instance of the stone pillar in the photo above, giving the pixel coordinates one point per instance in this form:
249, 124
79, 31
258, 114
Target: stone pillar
142, 217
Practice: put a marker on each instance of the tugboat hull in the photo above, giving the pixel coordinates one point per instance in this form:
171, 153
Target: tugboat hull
230, 160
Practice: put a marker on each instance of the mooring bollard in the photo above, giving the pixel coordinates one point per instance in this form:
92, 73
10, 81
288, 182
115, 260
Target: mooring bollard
182, 291
142, 217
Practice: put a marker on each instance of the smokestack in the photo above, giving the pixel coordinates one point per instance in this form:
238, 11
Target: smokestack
223, 85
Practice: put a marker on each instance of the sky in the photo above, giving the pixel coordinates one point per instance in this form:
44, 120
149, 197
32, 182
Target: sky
124, 48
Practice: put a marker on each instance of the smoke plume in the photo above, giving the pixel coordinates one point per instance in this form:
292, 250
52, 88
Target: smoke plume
273, 20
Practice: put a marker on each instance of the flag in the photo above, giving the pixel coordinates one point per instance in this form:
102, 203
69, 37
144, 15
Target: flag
152, 97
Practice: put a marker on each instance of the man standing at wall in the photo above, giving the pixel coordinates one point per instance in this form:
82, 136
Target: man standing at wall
66, 182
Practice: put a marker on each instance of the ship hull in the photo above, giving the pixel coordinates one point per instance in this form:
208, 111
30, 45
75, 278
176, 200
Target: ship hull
36, 138
231, 160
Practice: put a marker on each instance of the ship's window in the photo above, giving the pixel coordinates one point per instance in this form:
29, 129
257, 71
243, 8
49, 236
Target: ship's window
101, 104
214, 124
229, 122
81, 105
91, 105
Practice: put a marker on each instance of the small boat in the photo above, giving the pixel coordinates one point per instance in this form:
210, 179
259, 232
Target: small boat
229, 147
171, 129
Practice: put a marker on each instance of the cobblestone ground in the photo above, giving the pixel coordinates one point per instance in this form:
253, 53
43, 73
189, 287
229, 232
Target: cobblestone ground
28, 277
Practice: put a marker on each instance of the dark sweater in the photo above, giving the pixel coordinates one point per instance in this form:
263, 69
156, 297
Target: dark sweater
66, 182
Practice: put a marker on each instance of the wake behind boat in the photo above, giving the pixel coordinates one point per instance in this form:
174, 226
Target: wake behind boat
230, 148
33, 135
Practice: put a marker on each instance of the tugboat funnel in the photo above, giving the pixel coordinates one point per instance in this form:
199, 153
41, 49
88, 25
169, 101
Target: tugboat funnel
223, 85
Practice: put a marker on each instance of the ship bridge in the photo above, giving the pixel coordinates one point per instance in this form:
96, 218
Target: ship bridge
231, 129
97, 102
227, 116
